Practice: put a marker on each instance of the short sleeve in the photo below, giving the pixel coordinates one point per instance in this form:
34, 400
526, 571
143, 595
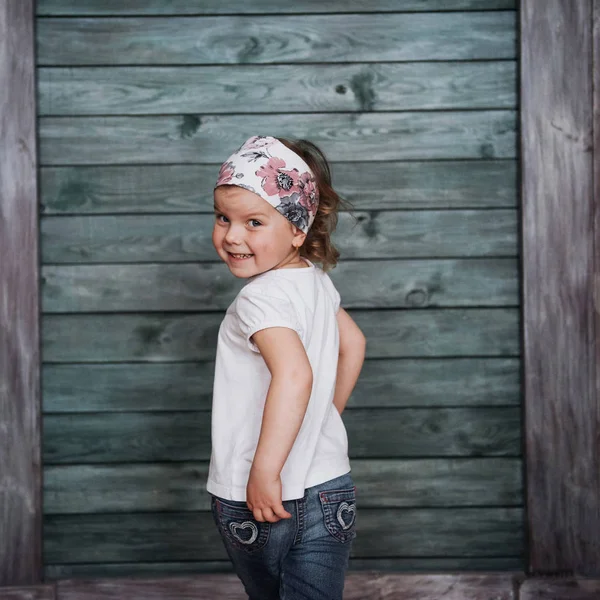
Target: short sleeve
258, 309
333, 293
336, 300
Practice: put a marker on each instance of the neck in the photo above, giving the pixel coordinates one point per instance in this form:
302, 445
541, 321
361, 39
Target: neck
292, 261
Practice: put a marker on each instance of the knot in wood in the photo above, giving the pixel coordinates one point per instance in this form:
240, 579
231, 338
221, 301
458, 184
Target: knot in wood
416, 297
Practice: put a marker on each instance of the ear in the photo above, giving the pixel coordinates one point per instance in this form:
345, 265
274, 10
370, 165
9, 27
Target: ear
299, 237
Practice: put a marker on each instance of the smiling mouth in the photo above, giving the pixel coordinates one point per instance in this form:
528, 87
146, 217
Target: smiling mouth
240, 255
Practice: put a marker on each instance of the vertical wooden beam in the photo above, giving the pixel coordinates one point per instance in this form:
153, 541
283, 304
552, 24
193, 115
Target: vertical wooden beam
20, 485
561, 414
596, 161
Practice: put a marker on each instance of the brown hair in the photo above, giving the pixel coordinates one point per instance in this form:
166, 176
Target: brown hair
318, 246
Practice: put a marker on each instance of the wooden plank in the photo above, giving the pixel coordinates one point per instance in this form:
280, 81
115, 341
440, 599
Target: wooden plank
374, 234
438, 382
368, 186
358, 586
198, 287
452, 532
162, 337
37, 592
392, 483
308, 88
596, 235
373, 433
430, 587
171, 568
131, 387
20, 473
560, 589
431, 333
276, 39
128, 387
205, 587
563, 431
171, 139
439, 564
112, 8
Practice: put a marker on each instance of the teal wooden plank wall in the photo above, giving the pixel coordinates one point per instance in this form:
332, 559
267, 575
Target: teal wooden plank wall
415, 102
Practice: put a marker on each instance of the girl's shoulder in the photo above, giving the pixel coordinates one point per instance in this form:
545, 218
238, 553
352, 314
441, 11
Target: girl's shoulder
264, 292
291, 286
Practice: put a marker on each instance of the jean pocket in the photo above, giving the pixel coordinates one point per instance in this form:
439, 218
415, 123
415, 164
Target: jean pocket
238, 525
339, 512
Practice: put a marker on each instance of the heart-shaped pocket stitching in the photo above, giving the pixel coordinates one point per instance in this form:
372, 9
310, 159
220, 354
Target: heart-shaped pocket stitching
344, 507
235, 527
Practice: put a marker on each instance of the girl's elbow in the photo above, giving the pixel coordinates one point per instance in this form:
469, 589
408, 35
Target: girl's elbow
356, 346
301, 376
362, 342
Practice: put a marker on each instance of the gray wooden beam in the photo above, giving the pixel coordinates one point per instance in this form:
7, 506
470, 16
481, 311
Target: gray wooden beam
20, 473
596, 233
561, 413
36, 592
560, 589
113, 8
359, 586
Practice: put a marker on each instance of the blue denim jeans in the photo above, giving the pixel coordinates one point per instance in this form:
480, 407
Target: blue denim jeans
302, 558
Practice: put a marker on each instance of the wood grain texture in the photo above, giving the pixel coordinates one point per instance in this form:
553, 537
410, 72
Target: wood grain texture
205, 587
557, 589
38, 592
457, 532
435, 418
373, 433
199, 287
430, 587
392, 483
358, 586
596, 234
131, 387
367, 185
276, 39
199, 138
20, 472
308, 88
173, 338
372, 234
381, 565
563, 424
111, 8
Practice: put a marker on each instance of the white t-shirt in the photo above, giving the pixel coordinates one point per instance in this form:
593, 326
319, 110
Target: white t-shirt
305, 300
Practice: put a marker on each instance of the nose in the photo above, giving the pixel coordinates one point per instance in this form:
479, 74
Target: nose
234, 235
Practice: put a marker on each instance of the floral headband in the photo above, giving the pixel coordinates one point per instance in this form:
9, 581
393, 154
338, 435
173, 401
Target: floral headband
267, 167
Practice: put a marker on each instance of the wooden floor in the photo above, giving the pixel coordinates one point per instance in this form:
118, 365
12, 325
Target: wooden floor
359, 586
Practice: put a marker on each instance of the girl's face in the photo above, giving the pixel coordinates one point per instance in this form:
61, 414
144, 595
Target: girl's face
250, 236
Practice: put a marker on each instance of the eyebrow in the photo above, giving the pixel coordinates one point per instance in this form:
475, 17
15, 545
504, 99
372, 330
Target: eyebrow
255, 213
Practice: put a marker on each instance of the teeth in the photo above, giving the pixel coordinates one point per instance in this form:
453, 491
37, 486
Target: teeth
242, 255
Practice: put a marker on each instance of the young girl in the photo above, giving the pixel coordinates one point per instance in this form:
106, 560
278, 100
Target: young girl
287, 360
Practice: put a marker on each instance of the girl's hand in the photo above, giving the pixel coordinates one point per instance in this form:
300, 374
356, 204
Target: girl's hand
263, 496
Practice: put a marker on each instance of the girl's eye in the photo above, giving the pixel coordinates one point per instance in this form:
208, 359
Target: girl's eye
255, 223
219, 217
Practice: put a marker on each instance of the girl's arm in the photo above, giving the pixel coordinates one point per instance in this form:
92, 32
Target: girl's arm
352, 355
285, 407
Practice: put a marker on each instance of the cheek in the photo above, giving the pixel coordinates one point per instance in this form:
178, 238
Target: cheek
267, 243
217, 235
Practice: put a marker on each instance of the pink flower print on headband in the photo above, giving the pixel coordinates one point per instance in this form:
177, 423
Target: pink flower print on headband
276, 180
271, 170
225, 174
309, 194
258, 141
